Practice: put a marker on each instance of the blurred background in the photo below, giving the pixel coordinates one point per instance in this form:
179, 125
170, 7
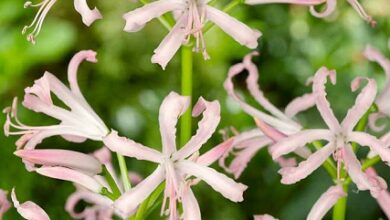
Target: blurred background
126, 89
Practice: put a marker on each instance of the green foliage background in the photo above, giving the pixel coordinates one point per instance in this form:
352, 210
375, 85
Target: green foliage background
126, 90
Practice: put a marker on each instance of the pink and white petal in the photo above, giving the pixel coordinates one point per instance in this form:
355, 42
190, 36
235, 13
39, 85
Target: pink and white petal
264, 217
4, 203
363, 102
269, 131
378, 184
131, 148
254, 89
86, 196
63, 158
300, 104
206, 127
383, 200
41, 89
243, 34
326, 202
127, 204
293, 142
29, 210
136, 19
74, 176
218, 181
295, 2
322, 103
373, 121
330, 8
191, 210
88, 15
171, 43
291, 175
354, 169
103, 155
215, 153
373, 143
173, 106
273, 121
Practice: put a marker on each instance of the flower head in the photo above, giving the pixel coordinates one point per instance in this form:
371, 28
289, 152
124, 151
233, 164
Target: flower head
78, 123
329, 8
191, 18
88, 15
177, 167
338, 137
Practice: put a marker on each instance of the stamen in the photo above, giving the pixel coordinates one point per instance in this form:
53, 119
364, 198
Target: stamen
360, 10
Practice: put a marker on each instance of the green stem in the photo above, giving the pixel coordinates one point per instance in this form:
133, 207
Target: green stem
340, 208
329, 166
186, 90
124, 172
111, 182
147, 206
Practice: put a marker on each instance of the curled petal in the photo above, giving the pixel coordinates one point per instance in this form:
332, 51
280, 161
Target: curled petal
63, 158
93, 198
382, 197
291, 175
171, 43
322, 103
128, 202
206, 127
88, 15
136, 19
74, 176
373, 121
292, 142
219, 182
236, 29
130, 148
300, 104
41, 89
264, 217
363, 102
373, 143
330, 8
28, 210
173, 106
191, 210
326, 202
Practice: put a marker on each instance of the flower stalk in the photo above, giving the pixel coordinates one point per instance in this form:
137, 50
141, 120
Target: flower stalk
124, 172
186, 90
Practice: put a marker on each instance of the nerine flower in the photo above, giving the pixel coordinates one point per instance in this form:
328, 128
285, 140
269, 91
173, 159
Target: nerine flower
191, 18
78, 122
177, 167
326, 202
88, 15
383, 100
338, 137
246, 144
329, 8
4, 203
29, 210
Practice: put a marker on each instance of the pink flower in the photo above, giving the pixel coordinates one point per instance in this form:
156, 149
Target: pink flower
78, 123
246, 144
382, 196
329, 9
382, 101
101, 208
326, 202
4, 203
339, 135
264, 217
88, 15
28, 210
177, 166
191, 17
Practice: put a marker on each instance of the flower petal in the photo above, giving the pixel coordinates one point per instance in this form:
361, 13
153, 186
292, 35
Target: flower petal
264, 217
330, 8
74, 176
206, 127
136, 19
218, 181
171, 43
322, 103
325, 202
173, 106
300, 104
63, 158
295, 2
4, 203
291, 175
88, 15
86, 196
236, 29
191, 210
29, 210
215, 153
373, 143
131, 148
294, 141
363, 102
128, 202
